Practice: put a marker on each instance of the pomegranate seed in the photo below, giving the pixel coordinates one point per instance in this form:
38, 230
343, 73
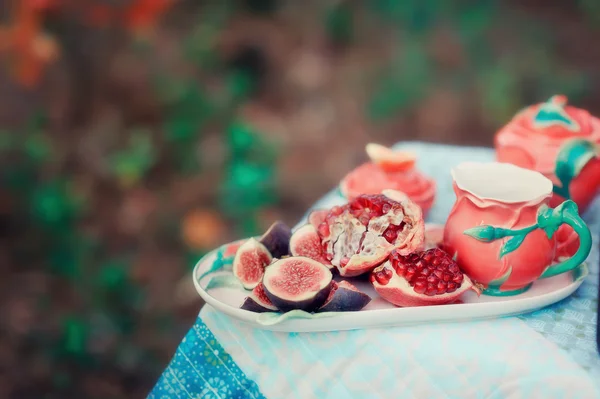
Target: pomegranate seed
425, 271
387, 273
386, 208
372, 278
431, 290
432, 279
336, 210
381, 278
452, 286
447, 277
454, 268
441, 287
458, 279
438, 273
344, 261
436, 261
420, 287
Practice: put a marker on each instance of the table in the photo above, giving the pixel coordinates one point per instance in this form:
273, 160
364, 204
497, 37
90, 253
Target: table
550, 353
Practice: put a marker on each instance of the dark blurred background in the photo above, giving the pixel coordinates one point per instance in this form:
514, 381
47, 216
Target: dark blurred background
136, 135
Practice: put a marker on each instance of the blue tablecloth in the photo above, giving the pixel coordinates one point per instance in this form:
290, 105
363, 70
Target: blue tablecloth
550, 353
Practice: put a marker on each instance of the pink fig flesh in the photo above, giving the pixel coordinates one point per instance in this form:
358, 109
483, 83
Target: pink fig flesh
249, 263
306, 242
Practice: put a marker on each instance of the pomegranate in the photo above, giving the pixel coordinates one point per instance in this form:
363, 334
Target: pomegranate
429, 277
358, 236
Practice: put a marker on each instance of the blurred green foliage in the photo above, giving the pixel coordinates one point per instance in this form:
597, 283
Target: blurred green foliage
45, 192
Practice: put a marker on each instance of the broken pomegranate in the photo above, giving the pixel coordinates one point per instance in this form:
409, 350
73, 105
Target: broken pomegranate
344, 297
429, 277
297, 283
258, 301
249, 263
358, 236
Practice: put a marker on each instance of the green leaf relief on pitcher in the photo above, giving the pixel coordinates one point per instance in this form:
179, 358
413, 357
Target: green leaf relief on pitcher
495, 284
548, 219
553, 112
571, 159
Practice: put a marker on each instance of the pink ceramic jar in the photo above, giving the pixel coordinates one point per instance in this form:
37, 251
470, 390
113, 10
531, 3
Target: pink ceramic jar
559, 141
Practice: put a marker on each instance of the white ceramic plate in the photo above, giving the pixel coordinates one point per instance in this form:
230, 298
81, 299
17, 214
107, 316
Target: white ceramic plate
379, 313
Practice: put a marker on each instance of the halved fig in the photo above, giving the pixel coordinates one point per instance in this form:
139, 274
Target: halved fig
358, 236
317, 217
297, 282
390, 160
258, 301
429, 277
249, 263
277, 239
306, 242
344, 297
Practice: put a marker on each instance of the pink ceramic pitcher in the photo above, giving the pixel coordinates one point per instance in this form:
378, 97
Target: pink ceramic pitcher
501, 228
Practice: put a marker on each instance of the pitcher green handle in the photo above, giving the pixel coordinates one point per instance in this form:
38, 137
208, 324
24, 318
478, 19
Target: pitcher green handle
571, 159
549, 220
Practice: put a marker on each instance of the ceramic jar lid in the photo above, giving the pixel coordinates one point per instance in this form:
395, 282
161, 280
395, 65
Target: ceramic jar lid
541, 129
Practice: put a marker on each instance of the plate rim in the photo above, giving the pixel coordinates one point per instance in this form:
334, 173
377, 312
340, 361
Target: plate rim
394, 315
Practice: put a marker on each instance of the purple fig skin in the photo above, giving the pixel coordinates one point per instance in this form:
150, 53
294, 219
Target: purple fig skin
346, 300
309, 304
253, 306
277, 239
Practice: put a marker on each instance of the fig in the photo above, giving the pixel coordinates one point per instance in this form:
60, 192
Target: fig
277, 239
316, 217
306, 242
249, 263
423, 278
344, 297
258, 301
359, 236
297, 282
